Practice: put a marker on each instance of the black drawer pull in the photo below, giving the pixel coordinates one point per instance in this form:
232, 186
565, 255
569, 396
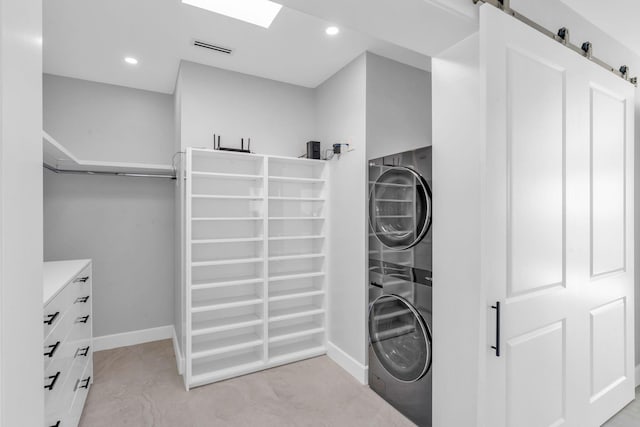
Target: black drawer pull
51, 318
81, 299
82, 319
53, 379
53, 348
85, 383
56, 424
82, 351
81, 279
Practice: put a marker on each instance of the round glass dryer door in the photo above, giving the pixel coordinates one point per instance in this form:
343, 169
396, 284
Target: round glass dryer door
399, 338
400, 208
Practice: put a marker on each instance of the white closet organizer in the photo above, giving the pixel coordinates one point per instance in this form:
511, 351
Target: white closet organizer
256, 264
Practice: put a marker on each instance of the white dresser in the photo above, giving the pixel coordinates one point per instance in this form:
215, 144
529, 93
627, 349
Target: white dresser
68, 346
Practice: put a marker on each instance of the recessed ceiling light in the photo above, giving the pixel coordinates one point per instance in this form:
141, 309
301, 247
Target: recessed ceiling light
332, 31
131, 60
257, 12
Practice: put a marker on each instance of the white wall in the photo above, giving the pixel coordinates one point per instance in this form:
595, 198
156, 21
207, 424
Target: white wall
124, 224
278, 117
456, 236
341, 116
21, 369
398, 107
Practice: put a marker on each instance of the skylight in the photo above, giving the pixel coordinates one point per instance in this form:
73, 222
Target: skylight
257, 12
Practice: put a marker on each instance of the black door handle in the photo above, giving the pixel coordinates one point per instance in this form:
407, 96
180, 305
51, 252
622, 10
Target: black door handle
81, 279
497, 346
56, 424
53, 348
81, 299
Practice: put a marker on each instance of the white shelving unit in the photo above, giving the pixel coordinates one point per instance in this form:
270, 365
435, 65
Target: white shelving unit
255, 263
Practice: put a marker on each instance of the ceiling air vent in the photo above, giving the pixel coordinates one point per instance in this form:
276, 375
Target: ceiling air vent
210, 46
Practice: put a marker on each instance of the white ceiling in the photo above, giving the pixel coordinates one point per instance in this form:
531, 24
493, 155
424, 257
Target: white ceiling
88, 39
617, 18
425, 26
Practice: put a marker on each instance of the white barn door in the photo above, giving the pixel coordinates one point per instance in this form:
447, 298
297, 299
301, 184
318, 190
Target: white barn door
557, 221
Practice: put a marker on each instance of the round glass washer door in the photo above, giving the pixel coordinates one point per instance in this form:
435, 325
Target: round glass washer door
400, 208
399, 338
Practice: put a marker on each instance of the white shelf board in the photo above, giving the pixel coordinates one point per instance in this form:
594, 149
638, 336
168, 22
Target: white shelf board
294, 312
294, 218
212, 347
222, 303
296, 160
229, 176
286, 295
296, 237
232, 240
204, 369
298, 199
227, 262
222, 284
296, 276
205, 327
303, 353
297, 180
222, 197
239, 218
294, 257
56, 156
221, 153
294, 331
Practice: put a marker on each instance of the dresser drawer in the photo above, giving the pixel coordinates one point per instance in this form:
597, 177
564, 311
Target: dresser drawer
80, 396
76, 292
74, 326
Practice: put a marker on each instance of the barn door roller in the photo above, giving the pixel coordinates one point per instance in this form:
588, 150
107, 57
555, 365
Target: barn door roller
562, 36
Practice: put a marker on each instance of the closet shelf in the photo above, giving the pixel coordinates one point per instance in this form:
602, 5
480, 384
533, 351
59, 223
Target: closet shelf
296, 160
277, 238
294, 313
227, 262
299, 353
239, 218
287, 295
298, 180
294, 218
304, 348
225, 345
219, 369
295, 331
296, 276
58, 158
222, 303
231, 176
234, 240
293, 257
299, 199
229, 283
227, 324
222, 197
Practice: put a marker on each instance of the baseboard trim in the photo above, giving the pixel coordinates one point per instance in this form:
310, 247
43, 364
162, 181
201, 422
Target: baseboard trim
638, 376
359, 371
125, 339
176, 350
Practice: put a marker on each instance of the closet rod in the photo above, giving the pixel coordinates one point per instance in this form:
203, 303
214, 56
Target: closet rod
127, 174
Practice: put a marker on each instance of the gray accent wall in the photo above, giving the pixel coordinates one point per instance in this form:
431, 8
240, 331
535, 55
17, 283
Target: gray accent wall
278, 117
124, 224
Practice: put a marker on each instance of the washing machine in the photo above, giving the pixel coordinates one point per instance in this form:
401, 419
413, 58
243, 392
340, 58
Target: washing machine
400, 282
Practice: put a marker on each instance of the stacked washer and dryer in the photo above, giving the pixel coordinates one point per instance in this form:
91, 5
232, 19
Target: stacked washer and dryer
400, 289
